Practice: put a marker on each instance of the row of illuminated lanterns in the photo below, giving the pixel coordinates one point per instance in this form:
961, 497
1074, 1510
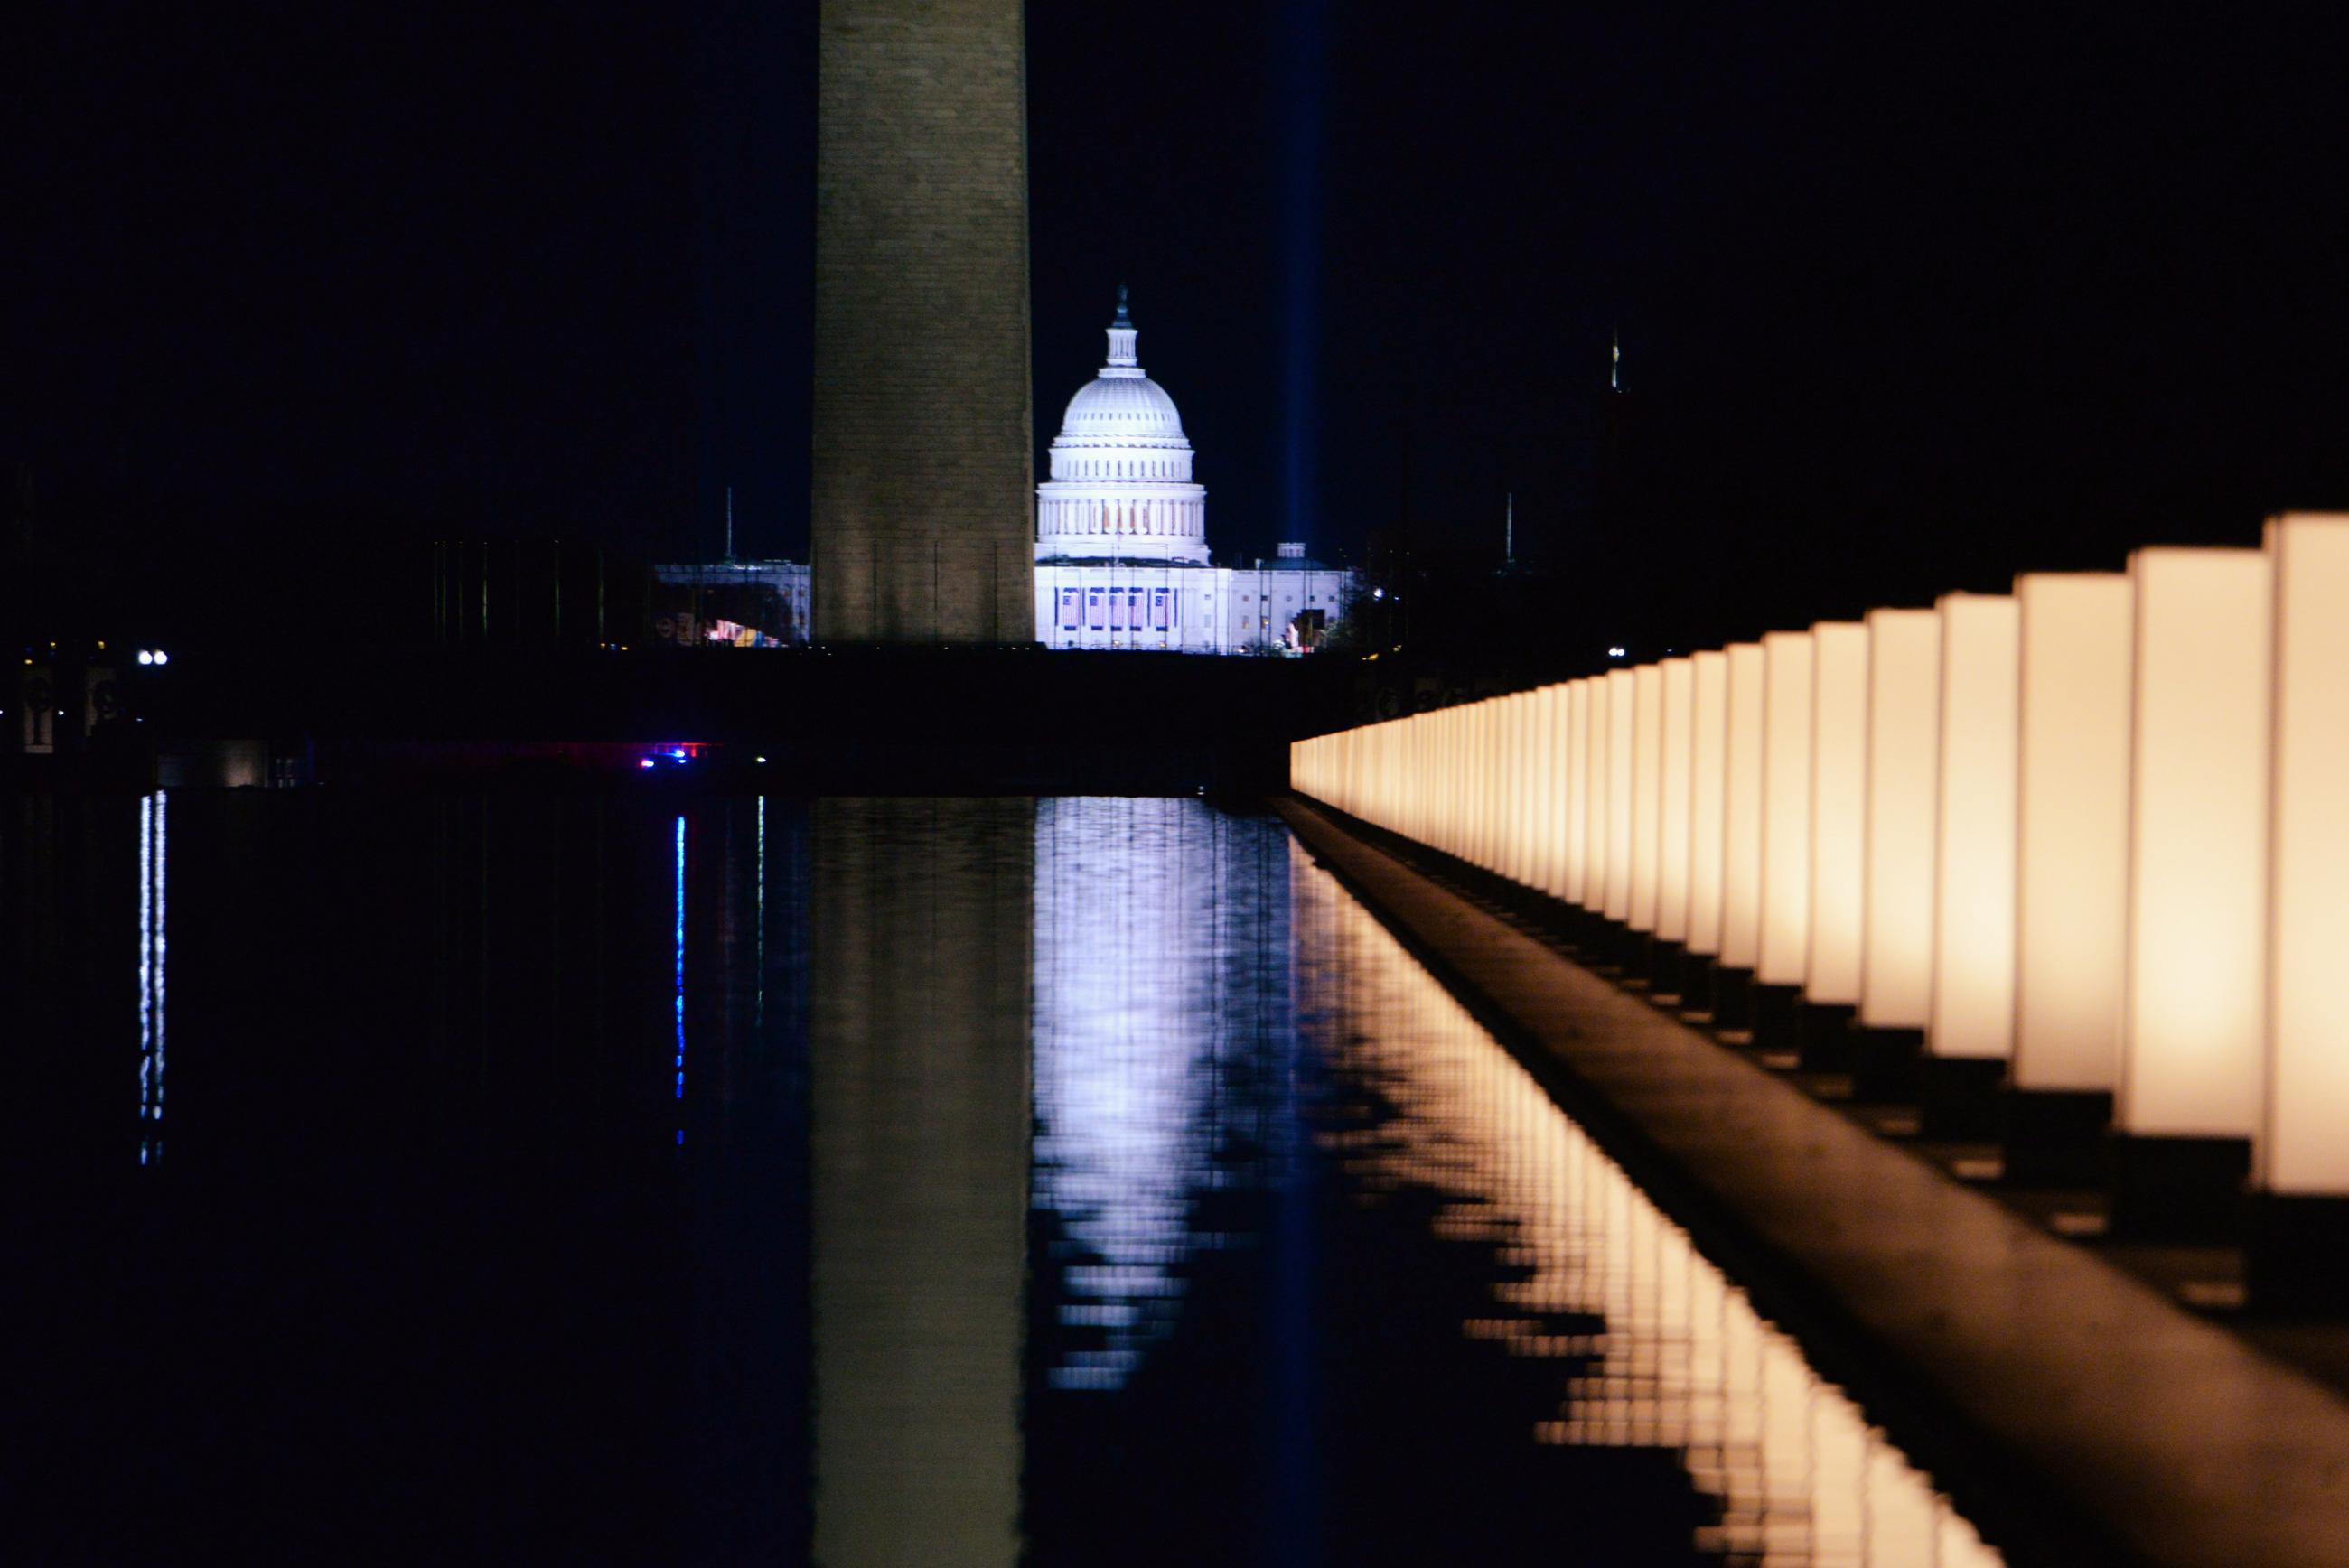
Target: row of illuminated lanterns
2098, 827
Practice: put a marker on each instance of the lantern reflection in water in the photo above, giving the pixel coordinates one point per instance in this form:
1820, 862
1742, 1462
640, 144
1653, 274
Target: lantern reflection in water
1657, 1349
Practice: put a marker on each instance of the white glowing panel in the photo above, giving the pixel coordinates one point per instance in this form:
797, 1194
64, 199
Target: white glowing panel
1500, 746
1578, 786
1535, 813
2194, 1015
1558, 802
1473, 720
1451, 761
1530, 779
1619, 699
1973, 858
1480, 800
1741, 873
1904, 748
1594, 883
1838, 809
1444, 799
1708, 793
1501, 844
1647, 793
2301, 1150
1508, 844
2071, 909
1525, 796
1786, 808
1678, 764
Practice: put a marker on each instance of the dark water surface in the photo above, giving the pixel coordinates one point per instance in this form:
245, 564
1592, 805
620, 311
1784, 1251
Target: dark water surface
1062, 1181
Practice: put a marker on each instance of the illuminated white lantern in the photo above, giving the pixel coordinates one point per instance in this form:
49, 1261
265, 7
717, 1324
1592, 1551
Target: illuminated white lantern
1708, 800
1741, 877
1508, 856
1460, 764
1472, 726
1595, 836
1534, 811
1839, 811
1973, 866
2194, 1016
1526, 806
1498, 798
1452, 763
1502, 802
1493, 744
1786, 808
1443, 773
1558, 798
1577, 787
1527, 812
1647, 794
1679, 765
2302, 1150
1621, 700
1525, 789
2072, 830
1904, 741
1488, 785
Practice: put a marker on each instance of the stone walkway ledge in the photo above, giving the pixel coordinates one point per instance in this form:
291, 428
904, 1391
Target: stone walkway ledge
2074, 1414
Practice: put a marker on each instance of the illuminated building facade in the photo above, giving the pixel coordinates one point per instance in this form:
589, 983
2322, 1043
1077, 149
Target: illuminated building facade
1122, 536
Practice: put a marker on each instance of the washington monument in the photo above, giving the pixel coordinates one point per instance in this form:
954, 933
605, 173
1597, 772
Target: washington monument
923, 448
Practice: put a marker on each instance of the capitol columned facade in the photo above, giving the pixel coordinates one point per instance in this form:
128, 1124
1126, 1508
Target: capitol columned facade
1122, 536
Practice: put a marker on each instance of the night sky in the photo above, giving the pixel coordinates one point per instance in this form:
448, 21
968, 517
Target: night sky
1908, 300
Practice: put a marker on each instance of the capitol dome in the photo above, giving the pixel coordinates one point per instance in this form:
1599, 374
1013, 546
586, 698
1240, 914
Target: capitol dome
1125, 408
1121, 488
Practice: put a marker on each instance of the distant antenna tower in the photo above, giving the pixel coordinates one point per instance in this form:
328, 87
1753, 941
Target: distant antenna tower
1509, 530
1615, 360
729, 525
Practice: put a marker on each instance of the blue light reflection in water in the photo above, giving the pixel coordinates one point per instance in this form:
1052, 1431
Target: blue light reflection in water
154, 856
679, 1004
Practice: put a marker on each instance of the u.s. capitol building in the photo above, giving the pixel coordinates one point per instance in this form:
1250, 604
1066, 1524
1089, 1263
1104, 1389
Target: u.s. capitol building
1121, 549
1122, 536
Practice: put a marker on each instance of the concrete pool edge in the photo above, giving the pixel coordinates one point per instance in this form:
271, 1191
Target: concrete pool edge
2081, 1416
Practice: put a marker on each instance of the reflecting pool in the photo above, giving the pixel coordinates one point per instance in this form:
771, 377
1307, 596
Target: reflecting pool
1058, 1181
